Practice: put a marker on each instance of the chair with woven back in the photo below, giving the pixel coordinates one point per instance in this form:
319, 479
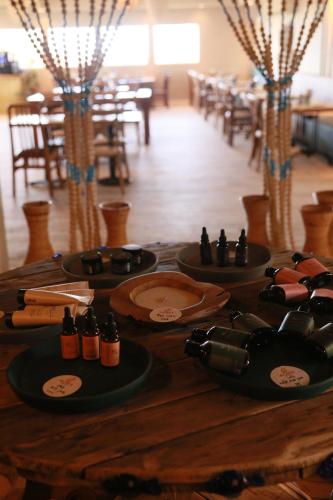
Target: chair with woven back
237, 116
29, 144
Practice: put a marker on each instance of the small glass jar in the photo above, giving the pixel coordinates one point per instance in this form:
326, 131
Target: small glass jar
121, 263
135, 252
92, 262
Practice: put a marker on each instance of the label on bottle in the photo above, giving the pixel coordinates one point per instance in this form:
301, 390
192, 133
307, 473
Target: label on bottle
70, 347
311, 267
289, 376
61, 386
165, 314
286, 275
322, 292
294, 292
110, 353
90, 347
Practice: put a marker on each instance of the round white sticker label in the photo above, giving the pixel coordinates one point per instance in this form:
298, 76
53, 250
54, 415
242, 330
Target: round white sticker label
62, 385
165, 314
289, 376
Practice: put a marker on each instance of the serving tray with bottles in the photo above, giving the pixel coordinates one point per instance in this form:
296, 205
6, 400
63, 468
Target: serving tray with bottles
101, 387
27, 335
189, 262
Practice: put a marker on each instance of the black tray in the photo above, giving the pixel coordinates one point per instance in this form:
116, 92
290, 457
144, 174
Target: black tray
256, 382
101, 387
72, 267
188, 261
28, 335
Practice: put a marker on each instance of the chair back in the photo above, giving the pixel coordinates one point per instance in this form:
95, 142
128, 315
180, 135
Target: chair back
26, 133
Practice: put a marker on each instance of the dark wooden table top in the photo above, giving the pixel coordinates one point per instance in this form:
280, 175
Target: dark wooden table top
181, 428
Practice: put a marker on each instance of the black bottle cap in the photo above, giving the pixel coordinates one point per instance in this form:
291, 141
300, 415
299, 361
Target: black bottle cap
267, 294
192, 348
234, 314
270, 272
304, 308
20, 296
91, 322
242, 237
296, 257
199, 335
204, 235
68, 321
222, 238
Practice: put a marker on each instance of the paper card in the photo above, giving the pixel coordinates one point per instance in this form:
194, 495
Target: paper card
289, 376
165, 314
61, 386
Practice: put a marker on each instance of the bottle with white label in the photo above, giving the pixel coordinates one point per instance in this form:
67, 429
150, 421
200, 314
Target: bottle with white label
69, 337
110, 343
90, 337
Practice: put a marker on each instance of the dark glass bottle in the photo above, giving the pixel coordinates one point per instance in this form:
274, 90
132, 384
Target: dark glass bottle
311, 266
222, 250
205, 248
237, 338
322, 341
69, 337
299, 323
90, 337
285, 275
321, 301
110, 343
219, 356
249, 322
285, 294
241, 255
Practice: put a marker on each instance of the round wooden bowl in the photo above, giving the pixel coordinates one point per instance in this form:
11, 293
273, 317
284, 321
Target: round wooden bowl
72, 267
188, 260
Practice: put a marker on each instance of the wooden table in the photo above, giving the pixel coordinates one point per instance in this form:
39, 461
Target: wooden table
181, 430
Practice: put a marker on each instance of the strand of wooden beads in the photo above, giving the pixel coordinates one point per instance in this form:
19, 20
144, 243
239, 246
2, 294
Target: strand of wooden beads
253, 31
88, 39
78, 41
246, 38
87, 120
64, 26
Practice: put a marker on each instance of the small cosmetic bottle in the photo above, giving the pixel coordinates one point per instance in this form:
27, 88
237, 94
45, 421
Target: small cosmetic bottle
285, 294
69, 337
205, 249
121, 263
298, 324
92, 262
222, 357
263, 332
284, 275
110, 343
241, 255
222, 250
320, 275
135, 251
90, 337
321, 301
322, 341
228, 336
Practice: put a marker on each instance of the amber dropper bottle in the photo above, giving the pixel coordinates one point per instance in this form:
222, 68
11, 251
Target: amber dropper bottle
205, 249
285, 294
69, 337
284, 275
110, 343
311, 266
90, 337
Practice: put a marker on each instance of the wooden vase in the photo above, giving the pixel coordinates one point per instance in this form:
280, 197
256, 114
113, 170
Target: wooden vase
256, 207
115, 215
326, 198
317, 221
37, 215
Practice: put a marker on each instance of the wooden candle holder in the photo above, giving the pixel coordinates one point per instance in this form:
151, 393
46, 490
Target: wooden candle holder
256, 208
326, 198
317, 221
37, 215
115, 216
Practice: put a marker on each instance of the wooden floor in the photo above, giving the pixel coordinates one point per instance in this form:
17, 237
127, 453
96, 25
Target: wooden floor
188, 177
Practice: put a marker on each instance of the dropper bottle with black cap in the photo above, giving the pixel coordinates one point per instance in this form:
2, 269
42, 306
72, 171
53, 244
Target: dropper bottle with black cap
262, 331
320, 275
237, 338
110, 343
222, 250
219, 356
90, 337
69, 337
298, 323
241, 255
205, 248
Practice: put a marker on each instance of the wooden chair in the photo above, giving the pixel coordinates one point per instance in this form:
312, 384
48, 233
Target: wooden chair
237, 117
163, 92
29, 144
256, 106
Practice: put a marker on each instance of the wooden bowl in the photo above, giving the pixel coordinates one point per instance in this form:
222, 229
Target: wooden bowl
188, 260
138, 297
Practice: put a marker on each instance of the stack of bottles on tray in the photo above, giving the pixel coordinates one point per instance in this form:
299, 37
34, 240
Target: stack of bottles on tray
308, 282
88, 338
223, 250
229, 349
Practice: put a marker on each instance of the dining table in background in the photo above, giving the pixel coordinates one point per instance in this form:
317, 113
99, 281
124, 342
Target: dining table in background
181, 432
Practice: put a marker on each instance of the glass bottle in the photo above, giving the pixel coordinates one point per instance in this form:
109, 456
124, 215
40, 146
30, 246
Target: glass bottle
321, 301
69, 337
241, 255
90, 337
110, 343
237, 338
299, 323
205, 248
251, 323
285, 275
222, 250
311, 266
285, 294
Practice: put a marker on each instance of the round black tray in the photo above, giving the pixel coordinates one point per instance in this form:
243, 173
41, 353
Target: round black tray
188, 260
27, 335
256, 382
101, 387
72, 267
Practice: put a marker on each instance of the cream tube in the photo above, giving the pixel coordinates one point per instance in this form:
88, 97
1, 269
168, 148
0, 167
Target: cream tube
38, 316
45, 298
65, 287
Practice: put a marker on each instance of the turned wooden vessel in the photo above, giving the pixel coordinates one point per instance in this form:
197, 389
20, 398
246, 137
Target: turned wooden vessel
115, 216
37, 215
317, 221
326, 198
256, 207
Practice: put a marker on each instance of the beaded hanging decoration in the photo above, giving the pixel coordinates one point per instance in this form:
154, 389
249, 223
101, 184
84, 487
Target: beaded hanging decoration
252, 23
75, 79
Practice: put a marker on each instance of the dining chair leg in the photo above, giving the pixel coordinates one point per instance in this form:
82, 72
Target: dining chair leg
58, 169
14, 183
138, 134
119, 169
25, 177
48, 178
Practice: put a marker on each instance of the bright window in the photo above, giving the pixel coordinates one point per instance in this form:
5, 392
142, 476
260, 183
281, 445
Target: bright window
176, 43
130, 46
16, 42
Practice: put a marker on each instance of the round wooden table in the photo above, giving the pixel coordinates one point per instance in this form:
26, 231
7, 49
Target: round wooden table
182, 431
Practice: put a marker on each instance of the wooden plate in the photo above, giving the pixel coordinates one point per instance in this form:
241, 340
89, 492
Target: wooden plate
101, 387
188, 260
138, 297
73, 269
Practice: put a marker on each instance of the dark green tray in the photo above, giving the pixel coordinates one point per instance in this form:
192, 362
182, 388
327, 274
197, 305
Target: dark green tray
101, 387
256, 382
27, 335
